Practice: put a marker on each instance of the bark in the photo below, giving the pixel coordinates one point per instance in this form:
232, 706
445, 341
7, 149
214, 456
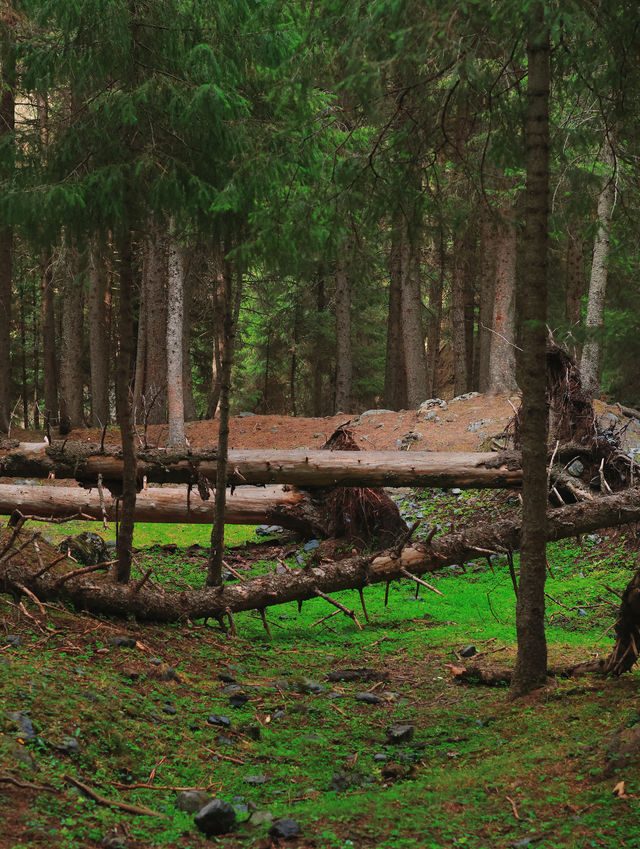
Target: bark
395, 380
35, 335
274, 505
7, 124
100, 596
141, 359
415, 357
318, 349
125, 414
85, 461
71, 343
174, 337
591, 353
460, 374
214, 566
531, 662
190, 414
49, 364
487, 294
217, 313
502, 352
154, 400
575, 276
436, 290
99, 348
344, 363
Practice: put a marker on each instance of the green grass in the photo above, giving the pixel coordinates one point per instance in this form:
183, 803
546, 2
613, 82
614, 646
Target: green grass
475, 754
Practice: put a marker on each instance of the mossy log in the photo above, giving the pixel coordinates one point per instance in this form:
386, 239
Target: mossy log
20, 570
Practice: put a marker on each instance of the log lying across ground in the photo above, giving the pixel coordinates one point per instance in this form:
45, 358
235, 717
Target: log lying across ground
98, 594
248, 505
85, 461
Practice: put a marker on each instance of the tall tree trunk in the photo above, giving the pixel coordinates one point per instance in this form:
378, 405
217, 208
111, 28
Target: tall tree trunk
531, 663
49, 364
98, 316
460, 375
7, 125
174, 336
344, 361
488, 239
415, 355
217, 312
436, 291
214, 571
502, 358
23, 363
154, 401
35, 333
318, 347
72, 343
575, 276
592, 351
187, 376
124, 543
470, 302
395, 380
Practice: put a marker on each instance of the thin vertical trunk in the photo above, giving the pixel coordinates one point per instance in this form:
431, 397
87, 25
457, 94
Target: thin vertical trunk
470, 302
98, 316
7, 124
415, 355
575, 276
125, 417
395, 382
436, 291
344, 362
23, 364
72, 344
318, 344
49, 364
154, 400
592, 351
187, 376
294, 355
487, 294
174, 337
35, 332
502, 358
217, 314
141, 358
531, 663
460, 374
214, 573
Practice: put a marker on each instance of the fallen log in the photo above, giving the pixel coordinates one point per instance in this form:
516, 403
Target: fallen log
85, 461
20, 570
273, 505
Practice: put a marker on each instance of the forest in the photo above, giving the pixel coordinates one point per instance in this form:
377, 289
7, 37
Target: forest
233, 235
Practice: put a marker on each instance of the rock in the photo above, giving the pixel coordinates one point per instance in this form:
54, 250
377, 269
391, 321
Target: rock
24, 756
374, 413
227, 677
169, 709
466, 397
380, 758
400, 733
251, 731
168, 673
225, 741
474, 427
431, 417
218, 719
468, 651
312, 545
432, 402
191, 801
576, 469
122, 642
256, 780
360, 673
284, 829
69, 746
238, 700
244, 415
114, 840
13, 640
217, 817
87, 548
307, 685
260, 818
26, 731
368, 698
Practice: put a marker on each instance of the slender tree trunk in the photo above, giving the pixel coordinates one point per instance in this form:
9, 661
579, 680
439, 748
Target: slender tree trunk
125, 417
318, 346
214, 572
154, 400
7, 124
98, 315
470, 303
293, 368
502, 355
49, 364
488, 238
344, 362
460, 376
531, 663
395, 380
575, 276
174, 337
139, 379
23, 363
35, 333
415, 356
218, 307
187, 376
592, 351
436, 290
72, 343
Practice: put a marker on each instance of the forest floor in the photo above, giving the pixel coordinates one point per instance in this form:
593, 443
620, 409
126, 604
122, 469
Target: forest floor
276, 726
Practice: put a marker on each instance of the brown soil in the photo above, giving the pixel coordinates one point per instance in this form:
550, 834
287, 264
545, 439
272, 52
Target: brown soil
381, 431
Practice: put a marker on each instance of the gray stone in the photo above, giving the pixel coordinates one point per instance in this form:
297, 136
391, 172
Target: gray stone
260, 818
169, 709
191, 801
217, 817
312, 545
87, 548
113, 840
218, 719
368, 698
474, 427
380, 758
227, 677
466, 397
432, 417
14, 640
244, 415
256, 780
468, 651
307, 685
374, 413
25, 727
238, 700
400, 733
576, 469
24, 756
122, 642
284, 829
69, 746
433, 402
